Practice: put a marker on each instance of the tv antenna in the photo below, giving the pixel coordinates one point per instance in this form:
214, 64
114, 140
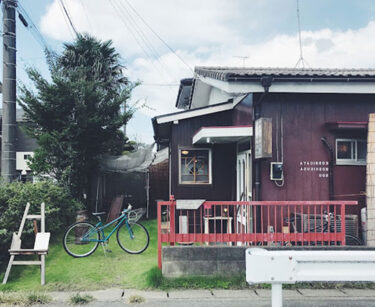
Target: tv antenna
243, 58
301, 61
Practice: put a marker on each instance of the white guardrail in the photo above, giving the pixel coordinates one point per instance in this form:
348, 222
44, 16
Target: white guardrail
291, 266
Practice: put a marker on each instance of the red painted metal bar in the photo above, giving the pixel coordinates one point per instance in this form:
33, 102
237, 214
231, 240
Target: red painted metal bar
287, 218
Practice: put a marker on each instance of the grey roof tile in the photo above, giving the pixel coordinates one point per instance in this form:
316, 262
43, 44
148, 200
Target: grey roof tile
231, 73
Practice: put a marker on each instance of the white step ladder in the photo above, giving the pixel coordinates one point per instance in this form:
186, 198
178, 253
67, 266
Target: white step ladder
40, 246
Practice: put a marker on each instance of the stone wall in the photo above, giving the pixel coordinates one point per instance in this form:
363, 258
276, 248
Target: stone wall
203, 260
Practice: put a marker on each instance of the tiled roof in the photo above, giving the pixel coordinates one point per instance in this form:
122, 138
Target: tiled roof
235, 73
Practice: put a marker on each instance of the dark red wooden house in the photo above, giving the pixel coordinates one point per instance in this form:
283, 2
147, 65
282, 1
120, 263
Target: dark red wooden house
270, 134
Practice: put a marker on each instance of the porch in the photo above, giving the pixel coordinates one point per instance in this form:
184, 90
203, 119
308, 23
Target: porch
255, 223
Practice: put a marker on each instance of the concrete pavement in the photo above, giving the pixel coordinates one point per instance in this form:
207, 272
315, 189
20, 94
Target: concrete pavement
233, 298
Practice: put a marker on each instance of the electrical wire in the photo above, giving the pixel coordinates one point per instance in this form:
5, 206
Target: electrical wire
148, 45
86, 15
66, 13
159, 37
33, 28
118, 9
66, 21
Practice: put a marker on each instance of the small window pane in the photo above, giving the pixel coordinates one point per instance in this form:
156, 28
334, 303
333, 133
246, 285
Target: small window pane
361, 150
194, 166
344, 150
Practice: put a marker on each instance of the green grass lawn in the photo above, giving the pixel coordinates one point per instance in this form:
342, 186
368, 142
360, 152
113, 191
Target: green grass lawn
98, 271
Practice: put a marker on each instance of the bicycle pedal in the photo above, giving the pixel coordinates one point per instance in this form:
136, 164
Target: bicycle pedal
108, 251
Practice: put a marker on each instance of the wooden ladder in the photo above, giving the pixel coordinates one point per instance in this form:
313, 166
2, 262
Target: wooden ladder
40, 246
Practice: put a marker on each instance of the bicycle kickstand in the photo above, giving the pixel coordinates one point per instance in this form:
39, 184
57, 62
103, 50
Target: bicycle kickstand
105, 248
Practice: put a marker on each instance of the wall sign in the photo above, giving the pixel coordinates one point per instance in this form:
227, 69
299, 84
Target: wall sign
263, 138
321, 168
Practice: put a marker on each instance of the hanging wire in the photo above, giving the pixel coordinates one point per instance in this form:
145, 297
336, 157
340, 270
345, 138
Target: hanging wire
159, 37
86, 15
301, 61
145, 40
68, 15
126, 21
67, 19
33, 28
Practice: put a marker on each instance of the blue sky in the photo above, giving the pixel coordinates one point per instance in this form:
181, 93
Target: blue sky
335, 33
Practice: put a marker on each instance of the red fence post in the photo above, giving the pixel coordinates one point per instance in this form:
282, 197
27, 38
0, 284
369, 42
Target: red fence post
172, 211
159, 234
343, 227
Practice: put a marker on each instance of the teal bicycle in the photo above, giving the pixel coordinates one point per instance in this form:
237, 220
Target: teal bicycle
81, 239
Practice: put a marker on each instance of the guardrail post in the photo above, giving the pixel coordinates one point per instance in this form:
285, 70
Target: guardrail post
277, 295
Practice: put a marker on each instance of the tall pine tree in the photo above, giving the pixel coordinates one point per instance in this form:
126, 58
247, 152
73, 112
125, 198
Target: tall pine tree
76, 117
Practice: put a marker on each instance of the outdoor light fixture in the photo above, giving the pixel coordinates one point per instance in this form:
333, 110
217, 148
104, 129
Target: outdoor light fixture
185, 152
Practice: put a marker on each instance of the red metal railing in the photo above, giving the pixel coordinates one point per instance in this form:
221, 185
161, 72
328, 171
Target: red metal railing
270, 223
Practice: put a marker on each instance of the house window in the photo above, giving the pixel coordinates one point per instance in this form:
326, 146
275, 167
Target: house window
195, 166
351, 151
26, 157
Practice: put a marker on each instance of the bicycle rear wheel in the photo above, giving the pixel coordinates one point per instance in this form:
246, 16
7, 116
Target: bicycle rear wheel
81, 239
133, 239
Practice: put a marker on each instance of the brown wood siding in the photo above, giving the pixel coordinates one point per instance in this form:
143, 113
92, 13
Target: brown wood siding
304, 119
243, 112
223, 160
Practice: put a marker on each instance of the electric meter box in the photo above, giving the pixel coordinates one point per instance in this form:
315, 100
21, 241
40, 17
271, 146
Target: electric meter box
277, 171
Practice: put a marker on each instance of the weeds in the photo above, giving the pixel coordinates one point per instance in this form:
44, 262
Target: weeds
78, 299
136, 299
22, 299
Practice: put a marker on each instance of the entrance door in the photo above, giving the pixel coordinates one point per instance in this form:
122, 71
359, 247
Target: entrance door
244, 191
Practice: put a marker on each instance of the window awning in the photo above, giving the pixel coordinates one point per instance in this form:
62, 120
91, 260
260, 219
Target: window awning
345, 125
221, 135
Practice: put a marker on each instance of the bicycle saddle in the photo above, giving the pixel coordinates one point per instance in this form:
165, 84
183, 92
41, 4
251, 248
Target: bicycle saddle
98, 213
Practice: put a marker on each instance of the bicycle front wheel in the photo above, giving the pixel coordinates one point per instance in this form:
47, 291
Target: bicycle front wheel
81, 239
133, 238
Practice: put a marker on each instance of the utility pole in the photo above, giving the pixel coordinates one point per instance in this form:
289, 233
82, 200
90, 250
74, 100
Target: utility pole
8, 152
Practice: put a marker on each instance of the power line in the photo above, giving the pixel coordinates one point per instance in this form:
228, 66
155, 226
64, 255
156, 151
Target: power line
66, 20
143, 45
144, 38
158, 36
33, 28
86, 15
68, 16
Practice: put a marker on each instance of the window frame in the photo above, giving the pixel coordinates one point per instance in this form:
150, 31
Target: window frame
209, 166
354, 160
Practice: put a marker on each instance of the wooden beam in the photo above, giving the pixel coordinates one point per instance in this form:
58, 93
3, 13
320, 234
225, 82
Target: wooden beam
27, 262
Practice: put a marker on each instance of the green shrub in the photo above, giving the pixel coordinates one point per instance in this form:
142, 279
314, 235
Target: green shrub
60, 209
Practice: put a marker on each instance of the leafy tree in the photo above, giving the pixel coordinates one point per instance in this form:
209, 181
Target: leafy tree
75, 117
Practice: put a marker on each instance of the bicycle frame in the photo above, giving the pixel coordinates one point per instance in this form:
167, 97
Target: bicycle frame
99, 228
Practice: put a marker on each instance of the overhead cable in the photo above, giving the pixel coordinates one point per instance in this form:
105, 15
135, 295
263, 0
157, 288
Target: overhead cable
159, 37
33, 28
68, 16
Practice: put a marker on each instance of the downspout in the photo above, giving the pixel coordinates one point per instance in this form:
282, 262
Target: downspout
330, 166
266, 83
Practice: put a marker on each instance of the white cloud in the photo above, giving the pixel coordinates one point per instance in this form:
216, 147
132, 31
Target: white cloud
209, 33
